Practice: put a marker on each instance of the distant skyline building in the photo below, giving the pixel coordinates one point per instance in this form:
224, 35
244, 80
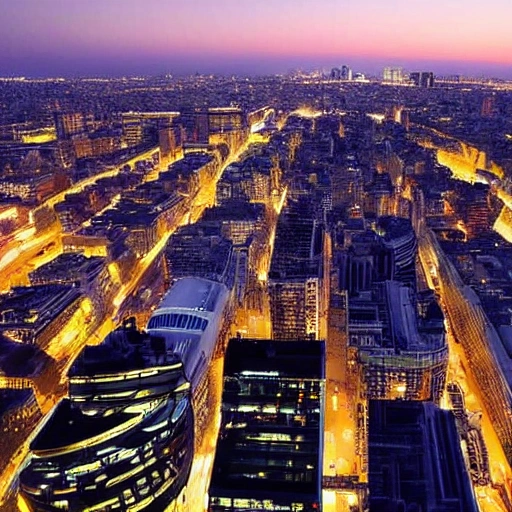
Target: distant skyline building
342, 73
422, 78
392, 75
488, 105
346, 73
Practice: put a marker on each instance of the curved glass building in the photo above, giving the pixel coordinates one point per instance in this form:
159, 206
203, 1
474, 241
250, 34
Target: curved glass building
123, 439
188, 322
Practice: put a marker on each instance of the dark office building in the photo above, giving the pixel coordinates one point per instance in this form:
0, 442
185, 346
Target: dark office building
397, 260
388, 253
269, 453
415, 459
296, 276
422, 78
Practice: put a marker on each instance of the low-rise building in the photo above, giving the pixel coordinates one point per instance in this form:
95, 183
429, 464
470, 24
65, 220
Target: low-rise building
35, 314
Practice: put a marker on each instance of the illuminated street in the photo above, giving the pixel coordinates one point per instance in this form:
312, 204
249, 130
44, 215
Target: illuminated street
345, 228
82, 184
343, 454
18, 262
199, 480
17, 257
436, 264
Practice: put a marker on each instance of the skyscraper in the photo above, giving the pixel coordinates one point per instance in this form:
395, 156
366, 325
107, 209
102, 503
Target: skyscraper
269, 454
296, 277
415, 459
346, 73
488, 106
422, 78
392, 75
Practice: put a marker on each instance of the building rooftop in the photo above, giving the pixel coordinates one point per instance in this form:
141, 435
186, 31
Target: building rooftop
193, 293
235, 210
199, 250
304, 359
34, 307
190, 163
390, 228
13, 399
298, 244
415, 459
68, 267
124, 349
391, 310
68, 426
20, 359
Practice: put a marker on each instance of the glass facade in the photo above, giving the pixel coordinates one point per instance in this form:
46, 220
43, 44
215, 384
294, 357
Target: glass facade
270, 445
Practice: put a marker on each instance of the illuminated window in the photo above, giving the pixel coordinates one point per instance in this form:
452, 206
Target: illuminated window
128, 497
61, 504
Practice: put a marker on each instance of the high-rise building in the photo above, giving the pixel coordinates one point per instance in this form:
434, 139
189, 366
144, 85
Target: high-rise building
401, 354
422, 78
140, 127
346, 73
347, 186
343, 73
225, 119
71, 124
415, 459
128, 422
296, 277
477, 213
392, 75
398, 259
269, 454
388, 253
379, 194
488, 104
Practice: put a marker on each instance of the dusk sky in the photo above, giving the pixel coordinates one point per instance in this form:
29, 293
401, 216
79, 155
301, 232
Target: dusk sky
101, 37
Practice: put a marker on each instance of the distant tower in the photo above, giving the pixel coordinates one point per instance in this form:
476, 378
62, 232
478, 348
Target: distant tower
335, 73
346, 73
422, 78
405, 120
392, 75
397, 113
488, 106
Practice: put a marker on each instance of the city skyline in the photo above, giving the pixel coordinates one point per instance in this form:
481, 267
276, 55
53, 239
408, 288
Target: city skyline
51, 38
226, 294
